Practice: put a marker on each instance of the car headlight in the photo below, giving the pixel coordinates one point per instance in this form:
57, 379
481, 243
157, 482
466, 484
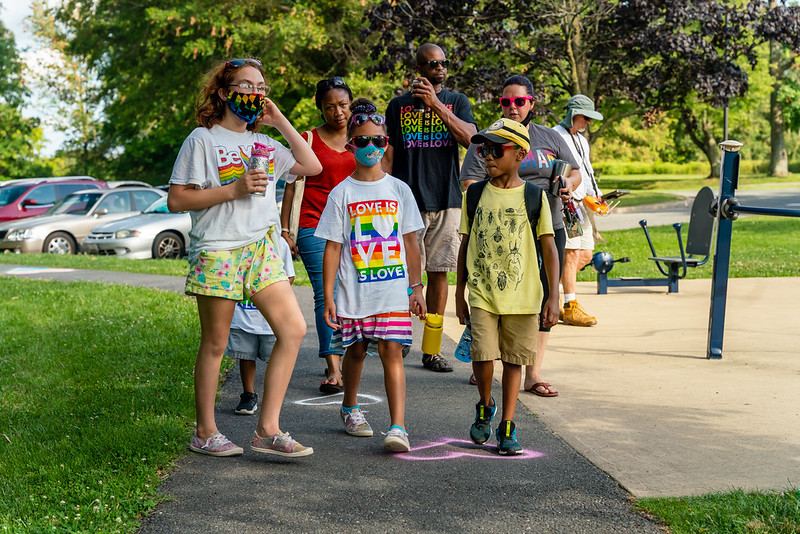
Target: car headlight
20, 235
122, 234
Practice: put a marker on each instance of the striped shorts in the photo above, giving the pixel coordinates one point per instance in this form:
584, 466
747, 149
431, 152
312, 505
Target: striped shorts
392, 326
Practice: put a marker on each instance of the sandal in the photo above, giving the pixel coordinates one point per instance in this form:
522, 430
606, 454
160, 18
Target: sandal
472, 380
331, 385
436, 363
547, 390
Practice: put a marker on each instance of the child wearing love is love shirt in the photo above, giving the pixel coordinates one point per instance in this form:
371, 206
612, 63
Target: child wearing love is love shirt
370, 223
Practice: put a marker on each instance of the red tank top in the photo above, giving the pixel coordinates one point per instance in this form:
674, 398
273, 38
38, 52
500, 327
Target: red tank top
336, 166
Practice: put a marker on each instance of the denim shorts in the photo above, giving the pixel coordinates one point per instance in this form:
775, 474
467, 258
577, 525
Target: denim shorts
236, 274
246, 346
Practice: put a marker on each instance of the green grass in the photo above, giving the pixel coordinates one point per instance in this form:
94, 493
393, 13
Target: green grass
686, 182
108, 263
761, 247
96, 401
735, 513
99, 263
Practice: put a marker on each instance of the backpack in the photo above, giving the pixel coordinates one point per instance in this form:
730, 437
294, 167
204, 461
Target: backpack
533, 202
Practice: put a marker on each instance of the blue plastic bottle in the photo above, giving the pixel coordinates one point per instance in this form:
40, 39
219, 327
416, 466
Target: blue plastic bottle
464, 345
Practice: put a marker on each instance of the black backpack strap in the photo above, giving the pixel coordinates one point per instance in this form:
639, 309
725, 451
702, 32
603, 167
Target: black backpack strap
474, 192
533, 204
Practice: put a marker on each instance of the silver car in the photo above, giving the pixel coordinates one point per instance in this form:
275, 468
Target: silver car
155, 233
62, 228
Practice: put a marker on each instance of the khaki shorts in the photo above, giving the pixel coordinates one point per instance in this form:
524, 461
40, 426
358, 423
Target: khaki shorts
585, 241
439, 240
511, 338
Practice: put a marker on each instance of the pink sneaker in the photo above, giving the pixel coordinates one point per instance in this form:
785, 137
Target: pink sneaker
281, 444
216, 445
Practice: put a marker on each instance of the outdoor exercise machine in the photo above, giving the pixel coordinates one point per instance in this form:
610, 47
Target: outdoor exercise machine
696, 252
726, 209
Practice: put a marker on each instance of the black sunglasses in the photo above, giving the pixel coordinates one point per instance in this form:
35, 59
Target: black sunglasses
362, 141
496, 151
434, 64
236, 63
336, 81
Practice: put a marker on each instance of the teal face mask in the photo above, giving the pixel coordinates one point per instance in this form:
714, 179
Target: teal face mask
369, 155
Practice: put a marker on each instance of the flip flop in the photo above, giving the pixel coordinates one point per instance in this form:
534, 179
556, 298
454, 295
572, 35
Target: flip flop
331, 387
472, 380
547, 391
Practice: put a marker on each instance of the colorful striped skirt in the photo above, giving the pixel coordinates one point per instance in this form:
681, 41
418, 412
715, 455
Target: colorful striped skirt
392, 326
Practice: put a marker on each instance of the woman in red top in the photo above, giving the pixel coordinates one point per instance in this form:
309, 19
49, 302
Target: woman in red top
333, 98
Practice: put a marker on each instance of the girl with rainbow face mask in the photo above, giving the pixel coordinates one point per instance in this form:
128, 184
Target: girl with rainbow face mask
233, 254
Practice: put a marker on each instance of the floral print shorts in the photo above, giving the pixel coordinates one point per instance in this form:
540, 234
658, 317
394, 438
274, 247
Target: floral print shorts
236, 274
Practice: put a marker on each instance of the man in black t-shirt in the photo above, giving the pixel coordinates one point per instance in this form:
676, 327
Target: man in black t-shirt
423, 152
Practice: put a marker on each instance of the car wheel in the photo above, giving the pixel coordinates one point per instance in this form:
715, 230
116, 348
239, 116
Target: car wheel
168, 245
60, 243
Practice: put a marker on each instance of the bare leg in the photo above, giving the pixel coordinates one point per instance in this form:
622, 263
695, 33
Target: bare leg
351, 372
484, 372
511, 377
569, 274
334, 362
278, 305
533, 373
247, 368
394, 380
215, 323
436, 294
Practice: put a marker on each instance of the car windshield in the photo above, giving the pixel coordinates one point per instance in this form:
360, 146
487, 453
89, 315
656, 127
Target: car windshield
159, 206
75, 204
10, 193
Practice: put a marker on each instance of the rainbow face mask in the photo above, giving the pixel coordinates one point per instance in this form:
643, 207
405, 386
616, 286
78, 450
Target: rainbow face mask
246, 106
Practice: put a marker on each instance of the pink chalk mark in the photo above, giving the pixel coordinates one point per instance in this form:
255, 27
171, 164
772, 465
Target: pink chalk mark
459, 448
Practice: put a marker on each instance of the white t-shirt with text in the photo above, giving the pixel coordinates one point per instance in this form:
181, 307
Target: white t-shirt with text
370, 220
216, 156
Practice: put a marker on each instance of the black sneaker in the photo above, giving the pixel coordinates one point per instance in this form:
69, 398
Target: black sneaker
507, 444
248, 404
481, 429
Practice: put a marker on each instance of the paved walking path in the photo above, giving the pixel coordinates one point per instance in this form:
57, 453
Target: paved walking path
446, 484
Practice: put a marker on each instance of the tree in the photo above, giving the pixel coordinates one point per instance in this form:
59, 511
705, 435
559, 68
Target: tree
780, 27
76, 106
634, 56
150, 58
19, 136
562, 45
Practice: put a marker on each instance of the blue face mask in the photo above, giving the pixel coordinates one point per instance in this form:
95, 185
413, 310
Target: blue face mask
370, 155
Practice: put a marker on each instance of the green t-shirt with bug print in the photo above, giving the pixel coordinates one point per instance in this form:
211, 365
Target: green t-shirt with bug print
502, 266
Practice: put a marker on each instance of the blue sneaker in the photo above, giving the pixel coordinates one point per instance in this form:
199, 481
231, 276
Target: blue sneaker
507, 444
481, 429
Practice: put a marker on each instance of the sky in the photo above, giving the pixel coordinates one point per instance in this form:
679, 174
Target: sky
13, 13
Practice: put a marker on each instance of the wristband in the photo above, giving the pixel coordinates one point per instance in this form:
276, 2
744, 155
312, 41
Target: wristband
285, 230
412, 286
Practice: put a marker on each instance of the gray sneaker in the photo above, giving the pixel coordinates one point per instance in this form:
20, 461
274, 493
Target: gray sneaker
396, 440
281, 444
355, 423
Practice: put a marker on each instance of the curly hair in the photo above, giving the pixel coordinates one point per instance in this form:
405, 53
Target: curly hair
210, 107
361, 105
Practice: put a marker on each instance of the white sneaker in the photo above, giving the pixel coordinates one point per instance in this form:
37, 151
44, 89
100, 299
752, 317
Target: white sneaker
355, 423
396, 440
